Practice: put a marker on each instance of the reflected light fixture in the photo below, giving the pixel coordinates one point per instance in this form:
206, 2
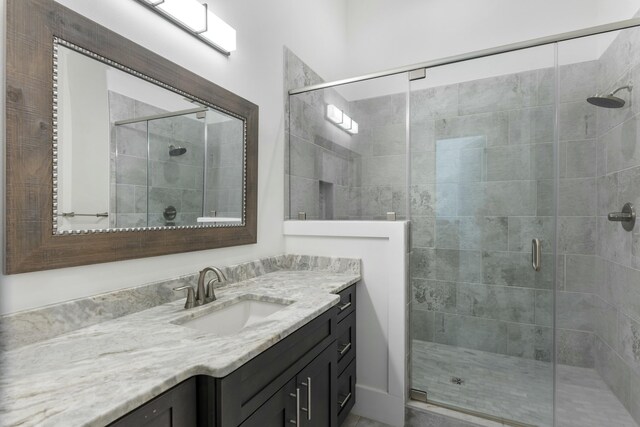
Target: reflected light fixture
196, 18
339, 118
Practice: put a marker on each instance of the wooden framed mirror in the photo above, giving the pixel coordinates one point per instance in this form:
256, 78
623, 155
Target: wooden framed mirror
113, 152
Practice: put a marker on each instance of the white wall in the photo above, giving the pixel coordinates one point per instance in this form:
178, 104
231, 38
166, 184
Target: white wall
382, 35
83, 108
381, 304
255, 72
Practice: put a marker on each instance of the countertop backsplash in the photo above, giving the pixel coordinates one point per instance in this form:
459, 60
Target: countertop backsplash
42, 323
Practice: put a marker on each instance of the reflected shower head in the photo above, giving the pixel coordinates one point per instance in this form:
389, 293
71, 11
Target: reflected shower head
176, 151
609, 101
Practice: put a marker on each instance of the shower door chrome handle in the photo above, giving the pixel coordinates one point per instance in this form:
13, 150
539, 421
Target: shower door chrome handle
536, 254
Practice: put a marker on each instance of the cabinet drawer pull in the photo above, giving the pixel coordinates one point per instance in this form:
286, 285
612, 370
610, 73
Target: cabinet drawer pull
343, 307
344, 349
346, 399
297, 396
308, 408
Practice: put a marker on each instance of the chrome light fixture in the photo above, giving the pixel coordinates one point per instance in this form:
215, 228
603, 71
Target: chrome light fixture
196, 18
339, 118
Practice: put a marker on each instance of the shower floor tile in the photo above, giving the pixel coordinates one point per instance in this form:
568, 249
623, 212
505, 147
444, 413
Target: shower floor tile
514, 388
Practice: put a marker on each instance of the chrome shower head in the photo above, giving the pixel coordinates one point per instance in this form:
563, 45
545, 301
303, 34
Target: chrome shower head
176, 151
609, 101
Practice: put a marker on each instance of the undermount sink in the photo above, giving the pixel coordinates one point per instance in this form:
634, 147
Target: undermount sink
230, 319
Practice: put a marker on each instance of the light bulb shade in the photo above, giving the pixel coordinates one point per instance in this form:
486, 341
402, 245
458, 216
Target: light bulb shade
346, 122
190, 13
220, 33
354, 128
334, 114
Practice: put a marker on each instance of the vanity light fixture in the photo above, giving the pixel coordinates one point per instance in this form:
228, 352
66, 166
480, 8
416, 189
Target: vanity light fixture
196, 18
339, 118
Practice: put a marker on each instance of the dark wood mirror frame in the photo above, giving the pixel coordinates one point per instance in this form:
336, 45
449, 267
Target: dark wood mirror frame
30, 244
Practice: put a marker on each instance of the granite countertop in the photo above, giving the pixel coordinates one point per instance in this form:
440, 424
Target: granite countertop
93, 376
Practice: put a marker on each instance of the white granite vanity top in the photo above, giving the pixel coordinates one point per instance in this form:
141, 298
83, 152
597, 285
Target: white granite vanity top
93, 376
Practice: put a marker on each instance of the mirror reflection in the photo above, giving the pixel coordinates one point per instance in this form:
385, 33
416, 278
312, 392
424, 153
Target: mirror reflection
134, 154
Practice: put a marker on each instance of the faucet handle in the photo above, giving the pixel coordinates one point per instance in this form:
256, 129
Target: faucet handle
191, 299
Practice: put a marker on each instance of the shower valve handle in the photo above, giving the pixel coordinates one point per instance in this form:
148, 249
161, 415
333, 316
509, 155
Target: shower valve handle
620, 216
627, 217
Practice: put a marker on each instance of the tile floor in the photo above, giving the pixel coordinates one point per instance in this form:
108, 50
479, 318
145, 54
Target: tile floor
353, 420
514, 388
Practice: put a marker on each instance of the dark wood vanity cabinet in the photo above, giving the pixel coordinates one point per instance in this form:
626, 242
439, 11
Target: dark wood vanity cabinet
346, 352
307, 379
176, 407
307, 400
278, 411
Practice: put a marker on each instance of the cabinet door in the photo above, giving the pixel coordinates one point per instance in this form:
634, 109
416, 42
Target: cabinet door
174, 408
318, 382
278, 411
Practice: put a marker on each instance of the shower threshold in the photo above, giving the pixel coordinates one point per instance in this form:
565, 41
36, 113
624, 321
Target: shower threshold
480, 415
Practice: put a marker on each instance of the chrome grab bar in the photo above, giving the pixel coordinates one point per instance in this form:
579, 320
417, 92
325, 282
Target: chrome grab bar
73, 214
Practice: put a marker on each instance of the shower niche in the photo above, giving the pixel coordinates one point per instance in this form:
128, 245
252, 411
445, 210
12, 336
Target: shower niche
326, 200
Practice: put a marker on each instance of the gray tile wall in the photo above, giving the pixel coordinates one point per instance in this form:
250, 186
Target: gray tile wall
145, 178
481, 188
176, 180
380, 186
330, 174
224, 168
614, 280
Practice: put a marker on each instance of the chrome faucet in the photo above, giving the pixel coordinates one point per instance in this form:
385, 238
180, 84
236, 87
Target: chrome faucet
207, 294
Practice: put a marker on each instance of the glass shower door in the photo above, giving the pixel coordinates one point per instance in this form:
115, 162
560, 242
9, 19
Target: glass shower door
176, 169
482, 189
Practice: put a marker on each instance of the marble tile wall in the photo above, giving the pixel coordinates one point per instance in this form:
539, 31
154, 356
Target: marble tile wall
330, 174
145, 178
614, 280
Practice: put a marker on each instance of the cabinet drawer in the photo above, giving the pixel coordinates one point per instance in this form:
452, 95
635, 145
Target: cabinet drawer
346, 391
346, 333
174, 408
347, 303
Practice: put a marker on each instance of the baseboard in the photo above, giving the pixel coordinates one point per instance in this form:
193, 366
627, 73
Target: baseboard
379, 406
